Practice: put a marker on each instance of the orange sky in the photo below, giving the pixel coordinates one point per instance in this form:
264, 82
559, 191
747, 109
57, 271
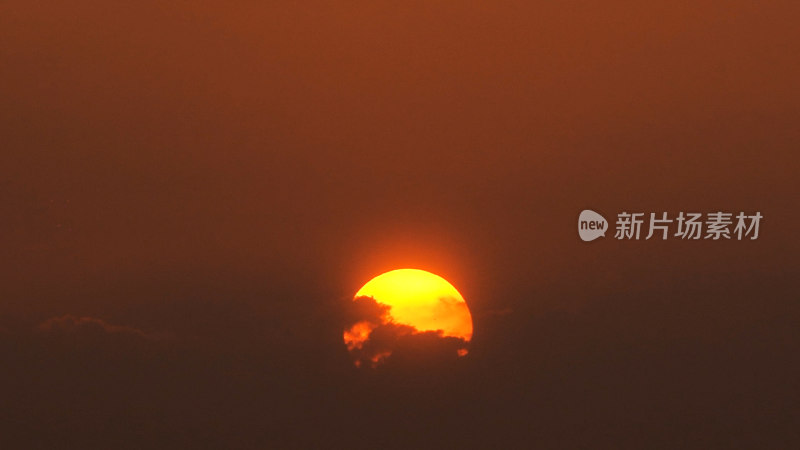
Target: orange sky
272, 138
228, 173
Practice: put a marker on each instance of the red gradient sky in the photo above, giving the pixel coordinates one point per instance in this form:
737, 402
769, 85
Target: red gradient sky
164, 164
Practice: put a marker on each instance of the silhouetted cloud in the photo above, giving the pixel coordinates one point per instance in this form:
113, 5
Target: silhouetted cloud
365, 309
69, 324
372, 338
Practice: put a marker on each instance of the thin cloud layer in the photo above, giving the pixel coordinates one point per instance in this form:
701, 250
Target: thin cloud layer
69, 324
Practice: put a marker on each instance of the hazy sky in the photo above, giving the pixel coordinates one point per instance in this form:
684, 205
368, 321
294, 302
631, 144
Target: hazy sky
219, 179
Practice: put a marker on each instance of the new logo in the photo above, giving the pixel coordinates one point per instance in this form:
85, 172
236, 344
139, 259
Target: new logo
591, 225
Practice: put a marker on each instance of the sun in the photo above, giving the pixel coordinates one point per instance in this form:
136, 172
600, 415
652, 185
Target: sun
421, 299
409, 302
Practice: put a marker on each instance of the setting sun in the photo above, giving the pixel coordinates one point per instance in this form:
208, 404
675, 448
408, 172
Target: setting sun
412, 301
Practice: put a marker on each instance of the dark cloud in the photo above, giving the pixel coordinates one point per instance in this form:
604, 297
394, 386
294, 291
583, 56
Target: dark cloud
380, 344
69, 324
529, 377
375, 339
365, 309
426, 349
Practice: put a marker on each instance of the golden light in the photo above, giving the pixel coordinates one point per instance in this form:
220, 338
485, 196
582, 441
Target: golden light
413, 301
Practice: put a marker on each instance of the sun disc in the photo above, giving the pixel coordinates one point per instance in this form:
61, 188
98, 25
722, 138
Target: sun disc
421, 299
413, 302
